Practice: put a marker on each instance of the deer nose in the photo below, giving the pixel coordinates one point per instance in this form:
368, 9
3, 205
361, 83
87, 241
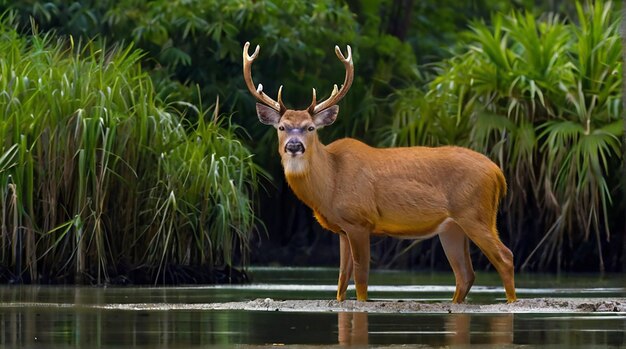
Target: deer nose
294, 147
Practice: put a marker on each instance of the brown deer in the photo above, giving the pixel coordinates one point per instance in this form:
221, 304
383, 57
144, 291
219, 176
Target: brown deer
411, 193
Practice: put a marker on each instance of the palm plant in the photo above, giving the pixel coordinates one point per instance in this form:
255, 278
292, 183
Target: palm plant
541, 97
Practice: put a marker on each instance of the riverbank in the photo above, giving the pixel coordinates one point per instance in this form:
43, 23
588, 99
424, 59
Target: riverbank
530, 305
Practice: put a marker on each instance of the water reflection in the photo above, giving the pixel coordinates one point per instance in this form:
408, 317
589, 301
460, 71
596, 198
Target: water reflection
70, 317
353, 329
498, 330
89, 327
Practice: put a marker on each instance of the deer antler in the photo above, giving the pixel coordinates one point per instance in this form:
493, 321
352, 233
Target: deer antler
258, 92
336, 95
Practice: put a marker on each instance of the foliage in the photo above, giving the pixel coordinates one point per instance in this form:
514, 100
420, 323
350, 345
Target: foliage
542, 97
539, 94
98, 172
199, 42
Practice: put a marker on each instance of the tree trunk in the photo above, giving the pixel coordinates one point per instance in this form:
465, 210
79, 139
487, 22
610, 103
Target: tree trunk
399, 20
623, 36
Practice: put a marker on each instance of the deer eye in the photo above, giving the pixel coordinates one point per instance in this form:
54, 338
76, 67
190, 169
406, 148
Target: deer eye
311, 128
281, 128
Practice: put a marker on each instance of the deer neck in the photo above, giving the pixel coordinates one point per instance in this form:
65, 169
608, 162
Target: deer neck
311, 177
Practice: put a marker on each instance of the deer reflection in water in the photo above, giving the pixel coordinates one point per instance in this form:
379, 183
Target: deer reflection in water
353, 329
498, 330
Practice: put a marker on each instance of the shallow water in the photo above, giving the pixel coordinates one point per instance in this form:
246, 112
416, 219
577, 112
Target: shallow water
63, 317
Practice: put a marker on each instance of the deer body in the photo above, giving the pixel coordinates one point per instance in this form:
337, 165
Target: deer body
395, 191
413, 192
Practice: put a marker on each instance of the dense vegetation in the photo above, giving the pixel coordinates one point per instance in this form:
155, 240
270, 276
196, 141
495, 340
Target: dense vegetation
99, 177
534, 86
542, 97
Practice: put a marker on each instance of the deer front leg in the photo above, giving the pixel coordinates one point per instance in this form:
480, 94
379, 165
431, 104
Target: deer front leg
360, 247
345, 267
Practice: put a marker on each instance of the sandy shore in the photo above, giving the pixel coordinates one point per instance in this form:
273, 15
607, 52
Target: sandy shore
531, 305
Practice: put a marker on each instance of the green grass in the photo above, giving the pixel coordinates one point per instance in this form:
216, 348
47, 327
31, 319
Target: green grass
98, 173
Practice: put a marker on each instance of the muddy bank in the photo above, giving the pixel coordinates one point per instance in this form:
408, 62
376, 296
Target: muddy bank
531, 305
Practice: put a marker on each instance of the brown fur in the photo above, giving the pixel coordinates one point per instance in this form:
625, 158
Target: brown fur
392, 183
415, 192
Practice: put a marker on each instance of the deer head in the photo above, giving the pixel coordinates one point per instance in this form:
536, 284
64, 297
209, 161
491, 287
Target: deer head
297, 129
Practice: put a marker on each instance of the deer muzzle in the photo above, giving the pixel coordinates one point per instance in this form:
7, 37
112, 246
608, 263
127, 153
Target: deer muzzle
294, 147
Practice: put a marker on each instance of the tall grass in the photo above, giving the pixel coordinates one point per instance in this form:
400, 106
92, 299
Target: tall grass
95, 168
541, 96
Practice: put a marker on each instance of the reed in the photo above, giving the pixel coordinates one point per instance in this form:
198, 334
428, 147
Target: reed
98, 175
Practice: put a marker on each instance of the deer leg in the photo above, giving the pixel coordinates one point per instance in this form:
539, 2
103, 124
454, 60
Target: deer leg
486, 238
345, 267
359, 239
456, 247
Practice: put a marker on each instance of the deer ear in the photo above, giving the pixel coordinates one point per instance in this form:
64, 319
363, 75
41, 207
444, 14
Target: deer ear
326, 116
267, 115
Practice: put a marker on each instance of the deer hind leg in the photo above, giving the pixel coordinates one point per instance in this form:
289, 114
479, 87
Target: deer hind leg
456, 247
345, 267
485, 236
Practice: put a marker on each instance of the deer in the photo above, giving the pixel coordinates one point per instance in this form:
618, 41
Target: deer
358, 191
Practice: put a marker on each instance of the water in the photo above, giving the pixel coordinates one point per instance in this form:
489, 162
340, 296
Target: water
64, 317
